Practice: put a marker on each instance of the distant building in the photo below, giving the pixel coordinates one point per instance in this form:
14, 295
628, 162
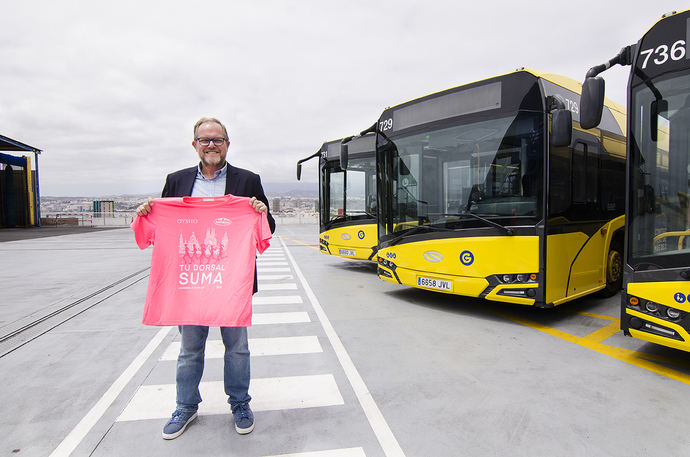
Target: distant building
104, 208
20, 201
275, 205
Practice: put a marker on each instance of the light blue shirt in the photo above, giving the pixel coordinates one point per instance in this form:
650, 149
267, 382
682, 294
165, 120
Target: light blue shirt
214, 187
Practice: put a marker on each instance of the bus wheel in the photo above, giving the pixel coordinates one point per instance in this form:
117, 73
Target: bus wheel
614, 271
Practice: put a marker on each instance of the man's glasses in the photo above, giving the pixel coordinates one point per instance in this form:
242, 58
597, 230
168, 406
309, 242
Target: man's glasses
207, 141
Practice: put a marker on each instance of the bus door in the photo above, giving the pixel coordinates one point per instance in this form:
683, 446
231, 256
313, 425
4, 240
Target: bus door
588, 267
574, 240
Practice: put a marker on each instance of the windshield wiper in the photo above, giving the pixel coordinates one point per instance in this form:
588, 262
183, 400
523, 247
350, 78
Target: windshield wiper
348, 218
507, 230
417, 229
363, 213
335, 219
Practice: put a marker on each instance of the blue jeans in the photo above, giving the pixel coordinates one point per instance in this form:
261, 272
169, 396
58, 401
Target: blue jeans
190, 365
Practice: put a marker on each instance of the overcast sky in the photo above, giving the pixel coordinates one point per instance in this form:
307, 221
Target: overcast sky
110, 90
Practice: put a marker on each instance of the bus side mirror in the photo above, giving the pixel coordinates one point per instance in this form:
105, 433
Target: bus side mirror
343, 156
299, 171
592, 102
561, 127
658, 107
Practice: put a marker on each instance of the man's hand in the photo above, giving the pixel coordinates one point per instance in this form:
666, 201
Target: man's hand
258, 205
145, 207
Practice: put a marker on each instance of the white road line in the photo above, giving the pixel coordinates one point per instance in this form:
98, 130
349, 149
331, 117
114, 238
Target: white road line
278, 286
277, 300
272, 270
72, 440
257, 347
271, 263
269, 394
280, 318
349, 452
378, 423
274, 277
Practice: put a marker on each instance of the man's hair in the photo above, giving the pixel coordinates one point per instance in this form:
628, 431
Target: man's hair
203, 120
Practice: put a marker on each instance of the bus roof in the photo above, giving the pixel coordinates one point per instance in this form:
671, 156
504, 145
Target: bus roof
617, 110
358, 145
665, 16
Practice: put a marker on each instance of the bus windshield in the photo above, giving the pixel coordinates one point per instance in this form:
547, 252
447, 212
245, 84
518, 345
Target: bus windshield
350, 195
659, 218
361, 187
490, 168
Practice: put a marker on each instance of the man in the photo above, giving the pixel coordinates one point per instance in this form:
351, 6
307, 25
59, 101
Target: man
213, 177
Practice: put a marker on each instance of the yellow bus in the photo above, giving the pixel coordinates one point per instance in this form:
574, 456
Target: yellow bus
492, 190
655, 303
347, 197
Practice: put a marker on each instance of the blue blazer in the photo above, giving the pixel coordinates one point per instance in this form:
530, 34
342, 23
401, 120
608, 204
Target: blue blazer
239, 182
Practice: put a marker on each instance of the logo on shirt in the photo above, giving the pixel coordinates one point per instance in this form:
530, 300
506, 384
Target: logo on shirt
205, 250
224, 221
187, 221
201, 259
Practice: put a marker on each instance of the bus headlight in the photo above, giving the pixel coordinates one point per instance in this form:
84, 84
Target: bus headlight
655, 309
672, 313
520, 278
386, 263
651, 307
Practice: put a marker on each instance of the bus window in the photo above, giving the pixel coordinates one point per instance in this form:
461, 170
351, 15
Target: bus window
356, 182
337, 189
456, 176
579, 176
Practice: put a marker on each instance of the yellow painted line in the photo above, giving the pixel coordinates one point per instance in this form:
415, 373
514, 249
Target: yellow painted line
301, 242
318, 249
613, 328
663, 359
624, 355
604, 332
598, 316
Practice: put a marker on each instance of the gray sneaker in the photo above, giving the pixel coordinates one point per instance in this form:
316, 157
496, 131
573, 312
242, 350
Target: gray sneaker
178, 423
244, 418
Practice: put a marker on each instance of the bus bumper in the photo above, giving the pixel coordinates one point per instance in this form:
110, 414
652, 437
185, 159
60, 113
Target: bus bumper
350, 252
657, 312
522, 294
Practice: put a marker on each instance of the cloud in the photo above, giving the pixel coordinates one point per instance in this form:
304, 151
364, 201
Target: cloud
111, 91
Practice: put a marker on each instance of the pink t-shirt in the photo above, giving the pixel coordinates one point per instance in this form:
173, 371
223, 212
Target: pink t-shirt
204, 253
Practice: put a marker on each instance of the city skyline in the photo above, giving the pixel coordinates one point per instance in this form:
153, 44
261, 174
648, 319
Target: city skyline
302, 188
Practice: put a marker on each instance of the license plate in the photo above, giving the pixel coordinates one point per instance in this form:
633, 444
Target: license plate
347, 252
438, 284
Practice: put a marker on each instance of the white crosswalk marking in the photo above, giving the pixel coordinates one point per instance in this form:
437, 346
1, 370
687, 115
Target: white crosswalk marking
278, 286
350, 452
272, 270
292, 392
280, 318
263, 277
257, 347
277, 300
271, 263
